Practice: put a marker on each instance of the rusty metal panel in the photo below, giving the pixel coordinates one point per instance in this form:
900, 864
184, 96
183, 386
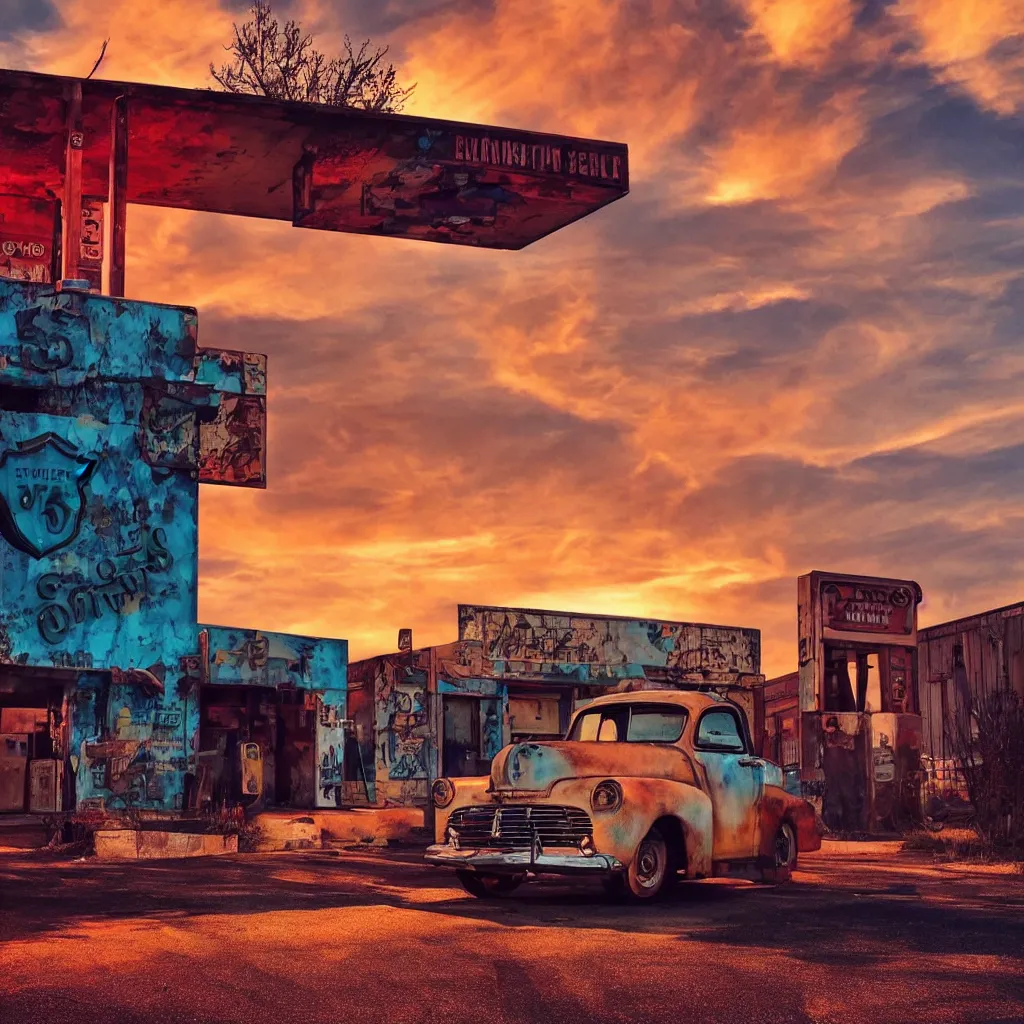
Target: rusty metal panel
810, 655
473, 186
522, 642
90, 260
866, 609
232, 447
895, 769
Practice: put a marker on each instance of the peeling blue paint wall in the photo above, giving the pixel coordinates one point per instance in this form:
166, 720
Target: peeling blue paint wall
521, 642
103, 404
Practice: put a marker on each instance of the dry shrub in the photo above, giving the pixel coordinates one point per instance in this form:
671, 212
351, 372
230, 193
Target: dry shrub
988, 747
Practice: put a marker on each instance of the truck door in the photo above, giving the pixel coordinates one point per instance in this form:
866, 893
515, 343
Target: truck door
735, 783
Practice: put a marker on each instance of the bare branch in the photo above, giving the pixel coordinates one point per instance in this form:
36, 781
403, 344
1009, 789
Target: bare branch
282, 62
99, 59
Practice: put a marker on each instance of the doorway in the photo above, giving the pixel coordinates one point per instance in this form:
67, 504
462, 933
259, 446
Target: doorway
283, 727
460, 748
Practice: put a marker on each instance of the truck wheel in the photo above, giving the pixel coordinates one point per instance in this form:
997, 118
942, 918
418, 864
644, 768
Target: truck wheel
784, 852
650, 868
485, 887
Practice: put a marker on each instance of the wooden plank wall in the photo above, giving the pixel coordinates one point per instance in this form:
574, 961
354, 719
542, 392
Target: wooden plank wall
993, 650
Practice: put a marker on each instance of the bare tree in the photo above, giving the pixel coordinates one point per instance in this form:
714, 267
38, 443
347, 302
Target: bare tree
268, 60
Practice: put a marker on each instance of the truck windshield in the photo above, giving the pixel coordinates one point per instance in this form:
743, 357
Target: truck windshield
630, 723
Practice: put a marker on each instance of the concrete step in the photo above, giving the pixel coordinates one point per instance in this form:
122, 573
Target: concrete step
337, 829
22, 832
125, 844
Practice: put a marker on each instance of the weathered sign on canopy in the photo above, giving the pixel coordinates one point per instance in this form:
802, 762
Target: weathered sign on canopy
92, 142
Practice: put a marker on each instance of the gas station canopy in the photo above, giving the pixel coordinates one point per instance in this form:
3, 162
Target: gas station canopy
332, 168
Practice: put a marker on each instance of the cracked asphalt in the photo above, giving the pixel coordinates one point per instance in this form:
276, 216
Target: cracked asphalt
860, 934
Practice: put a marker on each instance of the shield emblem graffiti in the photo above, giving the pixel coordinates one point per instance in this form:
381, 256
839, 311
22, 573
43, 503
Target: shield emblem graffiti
42, 494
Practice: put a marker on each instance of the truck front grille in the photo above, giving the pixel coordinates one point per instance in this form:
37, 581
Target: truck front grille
514, 827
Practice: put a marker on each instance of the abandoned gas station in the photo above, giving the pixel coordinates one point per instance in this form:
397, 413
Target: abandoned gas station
113, 697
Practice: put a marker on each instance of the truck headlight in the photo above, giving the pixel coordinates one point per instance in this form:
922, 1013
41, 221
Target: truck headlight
443, 792
607, 796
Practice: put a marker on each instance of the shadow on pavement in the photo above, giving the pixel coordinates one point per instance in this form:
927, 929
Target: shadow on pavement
816, 921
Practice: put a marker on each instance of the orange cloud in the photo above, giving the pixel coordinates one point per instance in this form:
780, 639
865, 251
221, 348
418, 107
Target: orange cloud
961, 39
799, 32
163, 43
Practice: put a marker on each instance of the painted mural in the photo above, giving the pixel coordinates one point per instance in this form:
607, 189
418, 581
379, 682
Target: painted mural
99, 460
252, 657
523, 642
405, 748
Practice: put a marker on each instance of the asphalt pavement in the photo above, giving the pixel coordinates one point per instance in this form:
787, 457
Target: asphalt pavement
861, 934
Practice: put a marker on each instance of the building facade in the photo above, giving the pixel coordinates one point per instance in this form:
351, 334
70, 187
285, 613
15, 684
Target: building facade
111, 416
517, 674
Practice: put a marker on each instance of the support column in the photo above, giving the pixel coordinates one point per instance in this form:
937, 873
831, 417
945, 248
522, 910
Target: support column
118, 193
72, 204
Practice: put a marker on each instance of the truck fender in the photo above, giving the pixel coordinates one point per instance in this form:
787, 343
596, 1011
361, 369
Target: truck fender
645, 801
778, 806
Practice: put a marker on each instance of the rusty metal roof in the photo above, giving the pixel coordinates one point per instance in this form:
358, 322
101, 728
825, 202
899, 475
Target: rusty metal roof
370, 173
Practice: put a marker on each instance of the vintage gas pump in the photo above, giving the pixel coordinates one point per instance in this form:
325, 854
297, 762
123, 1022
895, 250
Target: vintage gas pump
252, 770
860, 721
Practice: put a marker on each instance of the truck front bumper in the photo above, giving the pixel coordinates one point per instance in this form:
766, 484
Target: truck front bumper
519, 862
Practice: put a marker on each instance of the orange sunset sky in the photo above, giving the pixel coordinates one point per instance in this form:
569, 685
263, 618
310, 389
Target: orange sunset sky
795, 345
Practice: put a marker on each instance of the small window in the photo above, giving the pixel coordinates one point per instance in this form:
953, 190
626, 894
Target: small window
649, 725
719, 730
604, 725
587, 727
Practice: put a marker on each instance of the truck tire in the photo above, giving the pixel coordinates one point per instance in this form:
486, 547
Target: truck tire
485, 887
649, 871
785, 853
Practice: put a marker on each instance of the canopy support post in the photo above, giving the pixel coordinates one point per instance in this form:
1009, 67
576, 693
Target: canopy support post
118, 193
72, 204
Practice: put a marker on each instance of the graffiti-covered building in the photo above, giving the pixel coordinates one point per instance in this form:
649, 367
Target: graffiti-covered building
112, 415
271, 718
517, 674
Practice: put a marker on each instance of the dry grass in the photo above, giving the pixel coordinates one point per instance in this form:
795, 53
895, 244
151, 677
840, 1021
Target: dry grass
962, 845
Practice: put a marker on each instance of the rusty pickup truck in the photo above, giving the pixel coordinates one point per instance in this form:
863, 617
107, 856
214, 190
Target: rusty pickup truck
647, 788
